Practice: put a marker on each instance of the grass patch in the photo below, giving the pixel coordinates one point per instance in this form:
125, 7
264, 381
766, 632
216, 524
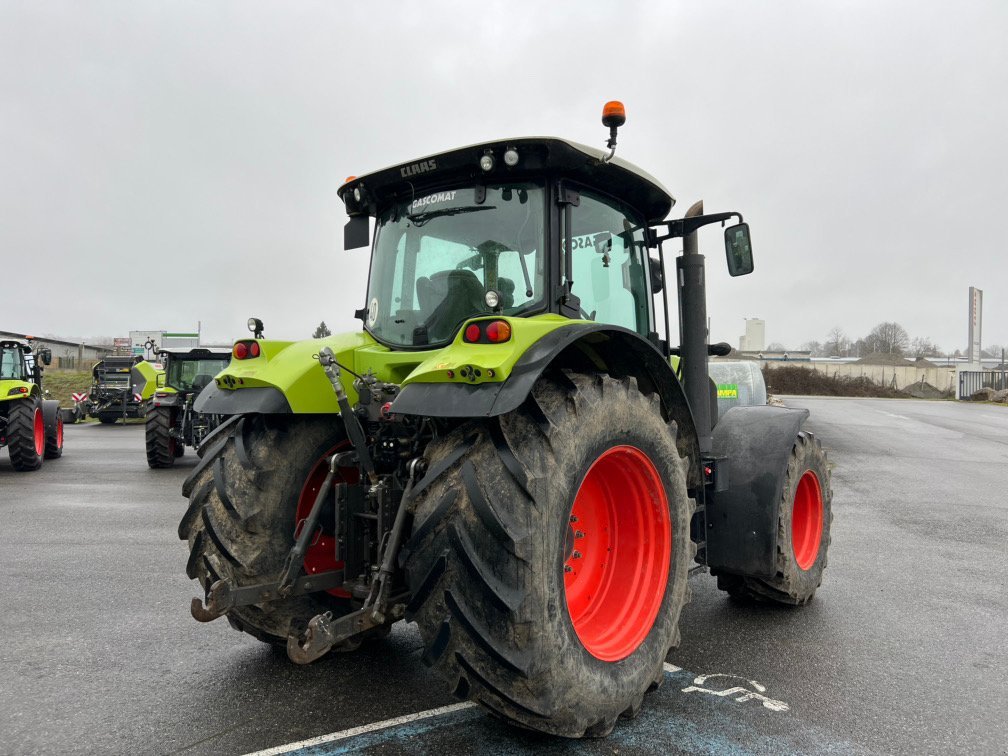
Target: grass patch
62, 383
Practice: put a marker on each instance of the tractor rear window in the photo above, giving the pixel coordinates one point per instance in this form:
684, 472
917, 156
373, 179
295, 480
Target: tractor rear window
193, 375
436, 256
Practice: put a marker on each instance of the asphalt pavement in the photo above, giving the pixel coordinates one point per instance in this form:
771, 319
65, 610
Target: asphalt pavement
903, 649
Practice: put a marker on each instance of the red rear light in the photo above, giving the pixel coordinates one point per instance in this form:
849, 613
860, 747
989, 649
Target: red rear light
240, 351
472, 333
253, 349
498, 331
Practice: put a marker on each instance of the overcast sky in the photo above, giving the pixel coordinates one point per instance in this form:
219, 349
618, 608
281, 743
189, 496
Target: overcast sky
168, 163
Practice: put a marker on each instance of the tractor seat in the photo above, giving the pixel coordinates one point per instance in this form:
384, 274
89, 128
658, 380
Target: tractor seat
462, 299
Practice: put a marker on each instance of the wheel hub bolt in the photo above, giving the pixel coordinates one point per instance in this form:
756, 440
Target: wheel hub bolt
568, 568
573, 518
576, 555
578, 534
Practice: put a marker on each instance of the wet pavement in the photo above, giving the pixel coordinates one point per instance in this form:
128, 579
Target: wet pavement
903, 649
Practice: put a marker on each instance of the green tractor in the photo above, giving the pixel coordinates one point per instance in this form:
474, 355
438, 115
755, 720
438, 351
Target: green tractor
121, 388
504, 454
31, 426
172, 424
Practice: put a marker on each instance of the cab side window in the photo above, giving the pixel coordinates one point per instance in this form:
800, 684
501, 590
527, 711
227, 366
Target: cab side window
608, 263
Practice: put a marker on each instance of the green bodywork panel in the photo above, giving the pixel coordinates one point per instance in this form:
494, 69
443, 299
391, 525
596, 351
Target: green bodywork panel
292, 368
8, 385
148, 373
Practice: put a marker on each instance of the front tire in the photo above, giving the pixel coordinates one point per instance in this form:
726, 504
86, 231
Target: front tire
244, 497
804, 517
550, 553
26, 434
54, 438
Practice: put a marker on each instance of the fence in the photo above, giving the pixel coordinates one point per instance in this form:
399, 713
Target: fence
971, 381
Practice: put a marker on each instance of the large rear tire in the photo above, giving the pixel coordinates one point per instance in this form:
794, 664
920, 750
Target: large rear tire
550, 552
244, 497
804, 518
161, 445
25, 434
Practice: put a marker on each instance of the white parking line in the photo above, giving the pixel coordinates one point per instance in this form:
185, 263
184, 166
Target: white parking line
384, 724
364, 729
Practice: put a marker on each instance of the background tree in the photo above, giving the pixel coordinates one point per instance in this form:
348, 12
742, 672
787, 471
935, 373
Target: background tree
994, 350
837, 344
776, 346
922, 346
814, 348
888, 338
322, 331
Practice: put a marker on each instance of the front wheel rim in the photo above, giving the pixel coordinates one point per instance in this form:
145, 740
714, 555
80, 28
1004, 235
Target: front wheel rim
617, 553
39, 430
807, 520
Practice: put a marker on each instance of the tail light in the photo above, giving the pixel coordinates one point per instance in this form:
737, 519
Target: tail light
487, 332
246, 350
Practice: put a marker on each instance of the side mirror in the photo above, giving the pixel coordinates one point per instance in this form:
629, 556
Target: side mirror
657, 279
738, 249
356, 232
45, 356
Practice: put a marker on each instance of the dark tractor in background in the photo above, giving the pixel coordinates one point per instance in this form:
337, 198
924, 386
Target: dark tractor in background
120, 388
172, 423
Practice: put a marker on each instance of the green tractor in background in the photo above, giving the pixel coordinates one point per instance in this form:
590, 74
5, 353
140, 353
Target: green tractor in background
31, 426
172, 423
504, 453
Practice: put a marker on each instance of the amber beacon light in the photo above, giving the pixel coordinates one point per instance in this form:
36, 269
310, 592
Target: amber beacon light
613, 116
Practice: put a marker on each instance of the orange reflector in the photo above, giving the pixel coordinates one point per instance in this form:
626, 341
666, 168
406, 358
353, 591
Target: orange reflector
498, 331
348, 179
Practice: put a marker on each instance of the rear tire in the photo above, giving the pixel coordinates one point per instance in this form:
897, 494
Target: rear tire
803, 532
25, 434
161, 445
106, 418
504, 622
243, 498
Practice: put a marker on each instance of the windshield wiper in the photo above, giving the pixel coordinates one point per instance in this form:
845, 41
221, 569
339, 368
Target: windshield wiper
421, 218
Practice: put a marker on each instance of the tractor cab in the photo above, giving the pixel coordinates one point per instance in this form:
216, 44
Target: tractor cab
192, 370
13, 364
515, 227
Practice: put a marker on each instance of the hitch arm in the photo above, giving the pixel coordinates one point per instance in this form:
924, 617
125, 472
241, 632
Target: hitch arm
222, 596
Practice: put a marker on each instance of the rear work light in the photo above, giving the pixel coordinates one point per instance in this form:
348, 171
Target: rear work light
246, 350
487, 332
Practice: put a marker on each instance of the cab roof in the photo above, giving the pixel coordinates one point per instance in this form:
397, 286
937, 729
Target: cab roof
15, 343
537, 156
199, 353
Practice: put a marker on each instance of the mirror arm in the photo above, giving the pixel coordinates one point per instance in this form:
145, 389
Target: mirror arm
686, 226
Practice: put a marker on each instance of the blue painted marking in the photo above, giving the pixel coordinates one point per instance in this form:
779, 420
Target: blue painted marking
669, 722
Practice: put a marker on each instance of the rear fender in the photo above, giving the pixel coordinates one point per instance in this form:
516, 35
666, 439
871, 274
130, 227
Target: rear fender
756, 443
50, 413
578, 346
